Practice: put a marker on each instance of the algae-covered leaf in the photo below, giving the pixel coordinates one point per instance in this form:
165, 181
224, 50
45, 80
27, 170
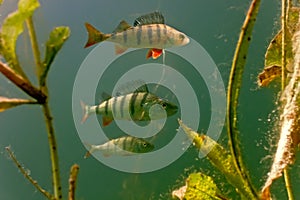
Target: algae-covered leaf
274, 53
6, 103
219, 157
56, 40
198, 186
11, 29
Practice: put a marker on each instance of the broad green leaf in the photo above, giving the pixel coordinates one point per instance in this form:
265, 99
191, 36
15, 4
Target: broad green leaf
273, 54
56, 40
12, 28
198, 186
6, 103
219, 157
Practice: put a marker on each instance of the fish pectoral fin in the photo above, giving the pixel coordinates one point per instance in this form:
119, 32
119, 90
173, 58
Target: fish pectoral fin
154, 53
106, 120
120, 49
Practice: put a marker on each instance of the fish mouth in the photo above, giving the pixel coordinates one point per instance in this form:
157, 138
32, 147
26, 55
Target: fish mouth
186, 40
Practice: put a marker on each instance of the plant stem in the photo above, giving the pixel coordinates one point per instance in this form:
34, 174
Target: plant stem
53, 152
72, 181
34, 44
234, 86
288, 184
284, 16
47, 115
26, 174
283, 43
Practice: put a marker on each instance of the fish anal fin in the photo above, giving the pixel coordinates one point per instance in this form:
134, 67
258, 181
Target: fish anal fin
154, 53
106, 155
123, 25
119, 49
106, 120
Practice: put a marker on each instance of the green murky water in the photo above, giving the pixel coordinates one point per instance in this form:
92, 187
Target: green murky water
214, 24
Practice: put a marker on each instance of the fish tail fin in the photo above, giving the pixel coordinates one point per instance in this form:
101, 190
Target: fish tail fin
85, 110
94, 36
90, 151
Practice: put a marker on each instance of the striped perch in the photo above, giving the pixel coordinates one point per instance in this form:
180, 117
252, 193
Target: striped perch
149, 31
124, 146
133, 106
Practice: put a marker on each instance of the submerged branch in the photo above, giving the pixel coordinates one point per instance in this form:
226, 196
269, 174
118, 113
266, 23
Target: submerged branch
22, 83
26, 174
234, 87
53, 152
72, 181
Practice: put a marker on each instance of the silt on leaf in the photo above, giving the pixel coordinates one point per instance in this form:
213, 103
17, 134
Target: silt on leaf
198, 186
56, 40
6, 103
12, 27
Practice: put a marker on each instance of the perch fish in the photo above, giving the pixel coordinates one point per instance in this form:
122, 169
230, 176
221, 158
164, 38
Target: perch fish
148, 31
137, 104
124, 146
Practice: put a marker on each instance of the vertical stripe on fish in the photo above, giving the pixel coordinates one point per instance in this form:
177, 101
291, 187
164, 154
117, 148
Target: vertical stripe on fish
124, 36
149, 30
139, 35
132, 102
158, 32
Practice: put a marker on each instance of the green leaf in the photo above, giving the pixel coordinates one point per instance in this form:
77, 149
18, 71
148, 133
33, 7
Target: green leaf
219, 157
198, 186
12, 27
56, 40
6, 103
273, 54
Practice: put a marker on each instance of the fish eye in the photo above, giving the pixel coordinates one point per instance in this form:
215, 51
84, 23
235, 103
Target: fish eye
145, 144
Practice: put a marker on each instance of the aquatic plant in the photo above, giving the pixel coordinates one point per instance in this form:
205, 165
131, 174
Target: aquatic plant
11, 29
282, 52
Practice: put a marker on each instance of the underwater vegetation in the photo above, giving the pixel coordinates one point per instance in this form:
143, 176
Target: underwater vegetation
282, 60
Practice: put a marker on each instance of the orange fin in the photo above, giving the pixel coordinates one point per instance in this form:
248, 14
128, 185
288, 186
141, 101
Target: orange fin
94, 36
120, 49
154, 53
106, 120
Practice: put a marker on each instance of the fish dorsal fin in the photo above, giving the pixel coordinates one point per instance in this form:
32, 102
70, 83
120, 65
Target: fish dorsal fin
150, 18
123, 25
132, 87
105, 96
